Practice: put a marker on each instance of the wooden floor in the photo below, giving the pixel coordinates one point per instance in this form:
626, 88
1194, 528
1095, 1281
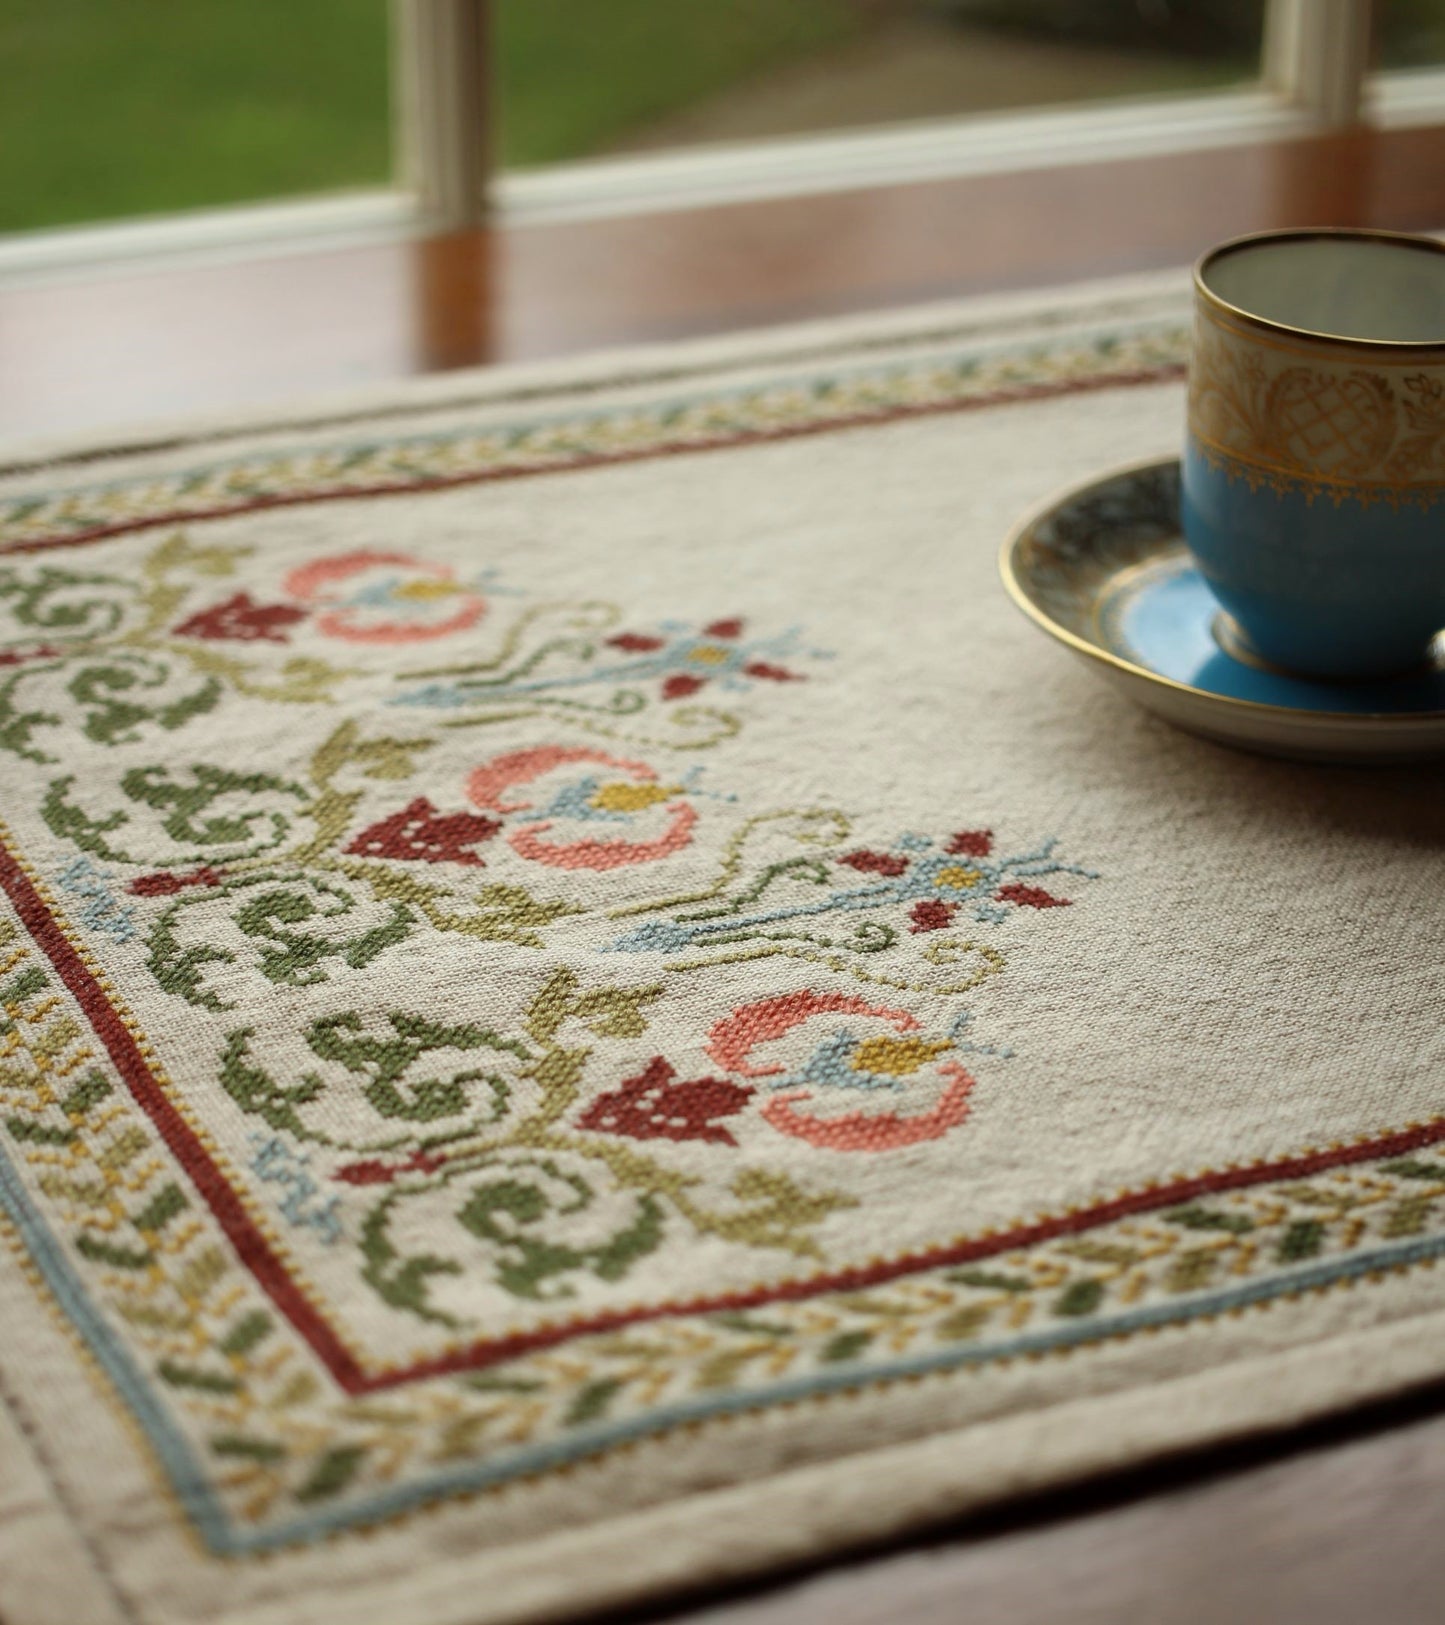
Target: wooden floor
1334, 1526
116, 349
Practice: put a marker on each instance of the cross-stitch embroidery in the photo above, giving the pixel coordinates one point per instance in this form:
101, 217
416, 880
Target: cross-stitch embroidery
508, 1004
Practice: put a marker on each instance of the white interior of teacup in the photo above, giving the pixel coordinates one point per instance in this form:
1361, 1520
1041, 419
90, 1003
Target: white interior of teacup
1348, 287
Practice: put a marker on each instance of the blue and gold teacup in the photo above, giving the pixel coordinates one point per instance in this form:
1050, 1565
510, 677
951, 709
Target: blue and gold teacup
1314, 468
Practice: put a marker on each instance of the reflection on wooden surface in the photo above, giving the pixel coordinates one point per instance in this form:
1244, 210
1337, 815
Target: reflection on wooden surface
101, 353
453, 300
1358, 178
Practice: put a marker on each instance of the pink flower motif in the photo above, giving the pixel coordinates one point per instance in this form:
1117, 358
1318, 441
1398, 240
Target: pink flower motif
627, 796
372, 597
894, 1058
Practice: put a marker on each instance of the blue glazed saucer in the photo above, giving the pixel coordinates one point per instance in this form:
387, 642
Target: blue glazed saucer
1104, 570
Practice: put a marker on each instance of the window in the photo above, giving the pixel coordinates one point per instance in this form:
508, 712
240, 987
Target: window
1412, 34
555, 107
664, 75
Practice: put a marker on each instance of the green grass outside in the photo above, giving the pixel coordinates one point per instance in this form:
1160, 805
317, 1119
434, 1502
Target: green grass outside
577, 74
115, 108
123, 107
129, 107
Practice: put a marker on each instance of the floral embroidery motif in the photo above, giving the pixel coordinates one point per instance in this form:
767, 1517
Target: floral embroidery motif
120, 660
124, 658
628, 796
654, 1106
586, 676
770, 900
475, 1126
386, 598
713, 1056
540, 1154
462, 1164
687, 662
305, 882
844, 1061
419, 833
239, 619
218, 1351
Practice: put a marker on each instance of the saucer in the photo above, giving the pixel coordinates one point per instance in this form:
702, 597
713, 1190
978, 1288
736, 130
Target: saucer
1103, 569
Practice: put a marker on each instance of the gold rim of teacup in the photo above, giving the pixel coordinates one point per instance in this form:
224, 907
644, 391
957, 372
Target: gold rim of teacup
1264, 324
1023, 531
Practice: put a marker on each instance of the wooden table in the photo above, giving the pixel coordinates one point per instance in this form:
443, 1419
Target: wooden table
106, 352
1334, 1525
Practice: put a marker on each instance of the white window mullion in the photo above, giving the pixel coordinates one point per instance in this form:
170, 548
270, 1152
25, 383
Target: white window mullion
1317, 56
442, 107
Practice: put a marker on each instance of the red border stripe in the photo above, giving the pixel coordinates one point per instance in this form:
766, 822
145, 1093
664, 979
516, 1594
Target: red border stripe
270, 1272
255, 1251
1001, 397
252, 1246
1148, 1200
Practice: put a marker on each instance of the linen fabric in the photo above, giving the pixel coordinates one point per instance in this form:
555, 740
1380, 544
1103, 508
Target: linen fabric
586, 1009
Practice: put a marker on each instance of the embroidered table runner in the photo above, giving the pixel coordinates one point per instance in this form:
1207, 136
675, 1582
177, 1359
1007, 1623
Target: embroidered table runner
586, 1008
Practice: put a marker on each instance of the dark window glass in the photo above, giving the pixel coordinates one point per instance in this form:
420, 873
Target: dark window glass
580, 78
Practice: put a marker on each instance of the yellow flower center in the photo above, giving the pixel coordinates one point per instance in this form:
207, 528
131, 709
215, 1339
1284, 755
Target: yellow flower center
709, 654
897, 1057
624, 796
425, 588
958, 877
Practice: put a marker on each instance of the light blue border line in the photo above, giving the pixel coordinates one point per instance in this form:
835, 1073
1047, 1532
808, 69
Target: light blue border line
185, 1472
585, 420
200, 1502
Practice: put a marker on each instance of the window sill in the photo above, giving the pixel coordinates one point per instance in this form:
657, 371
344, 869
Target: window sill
707, 177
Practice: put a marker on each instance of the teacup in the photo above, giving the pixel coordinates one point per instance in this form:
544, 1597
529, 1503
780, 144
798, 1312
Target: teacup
1314, 467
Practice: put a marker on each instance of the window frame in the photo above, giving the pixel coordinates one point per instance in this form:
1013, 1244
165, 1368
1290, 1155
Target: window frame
1314, 76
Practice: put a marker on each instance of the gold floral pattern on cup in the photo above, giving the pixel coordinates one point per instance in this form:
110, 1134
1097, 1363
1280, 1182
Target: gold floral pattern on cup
1308, 417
